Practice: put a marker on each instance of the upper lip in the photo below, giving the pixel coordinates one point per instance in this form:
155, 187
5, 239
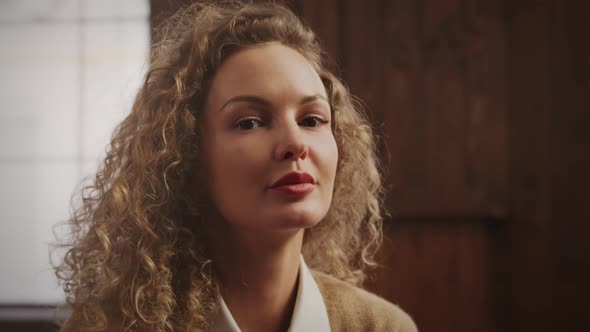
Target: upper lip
294, 178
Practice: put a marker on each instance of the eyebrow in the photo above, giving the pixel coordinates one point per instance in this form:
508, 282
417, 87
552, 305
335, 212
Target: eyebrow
264, 102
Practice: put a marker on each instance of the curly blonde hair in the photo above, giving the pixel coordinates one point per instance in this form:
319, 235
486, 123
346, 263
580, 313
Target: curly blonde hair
135, 261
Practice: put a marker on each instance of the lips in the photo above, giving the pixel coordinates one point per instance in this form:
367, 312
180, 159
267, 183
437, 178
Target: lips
294, 178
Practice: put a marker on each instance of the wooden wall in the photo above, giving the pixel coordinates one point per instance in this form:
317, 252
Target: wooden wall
482, 108
548, 92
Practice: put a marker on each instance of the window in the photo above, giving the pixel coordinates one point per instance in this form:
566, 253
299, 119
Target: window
70, 70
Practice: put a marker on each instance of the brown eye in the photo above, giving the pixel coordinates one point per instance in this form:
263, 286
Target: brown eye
312, 121
248, 124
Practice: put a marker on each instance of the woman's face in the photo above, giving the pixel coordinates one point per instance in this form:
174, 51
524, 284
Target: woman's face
267, 141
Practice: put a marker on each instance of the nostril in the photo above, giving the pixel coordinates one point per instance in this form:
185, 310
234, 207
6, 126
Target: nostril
289, 155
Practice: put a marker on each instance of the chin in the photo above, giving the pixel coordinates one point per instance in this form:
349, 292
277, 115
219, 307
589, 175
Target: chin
295, 219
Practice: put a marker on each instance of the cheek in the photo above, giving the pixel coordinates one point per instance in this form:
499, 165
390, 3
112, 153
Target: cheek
235, 163
237, 177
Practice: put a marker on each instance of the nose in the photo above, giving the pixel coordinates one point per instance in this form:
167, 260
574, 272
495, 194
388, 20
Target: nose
291, 145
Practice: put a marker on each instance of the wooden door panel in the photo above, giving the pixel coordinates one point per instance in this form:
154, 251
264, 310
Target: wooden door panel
443, 108
443, 272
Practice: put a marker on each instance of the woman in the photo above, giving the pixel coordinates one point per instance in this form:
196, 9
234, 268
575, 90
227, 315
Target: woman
241, 192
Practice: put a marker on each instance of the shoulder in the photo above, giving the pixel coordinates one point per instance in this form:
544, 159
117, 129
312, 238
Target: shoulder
354, 309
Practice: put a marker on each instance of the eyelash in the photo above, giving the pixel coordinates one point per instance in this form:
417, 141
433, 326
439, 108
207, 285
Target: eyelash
319, 121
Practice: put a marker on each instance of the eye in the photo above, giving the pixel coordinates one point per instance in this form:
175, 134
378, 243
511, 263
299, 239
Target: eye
248, 124
313, 121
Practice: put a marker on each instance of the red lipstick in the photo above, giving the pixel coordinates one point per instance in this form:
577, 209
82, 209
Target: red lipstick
294, 183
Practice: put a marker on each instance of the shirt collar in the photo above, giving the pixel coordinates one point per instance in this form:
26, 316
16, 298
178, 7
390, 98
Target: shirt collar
309, 313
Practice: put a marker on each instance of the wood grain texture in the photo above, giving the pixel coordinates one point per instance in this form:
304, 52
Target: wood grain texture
444, 107
530, 133
486, 144
362, 54
442, 272
571, 153
324, 18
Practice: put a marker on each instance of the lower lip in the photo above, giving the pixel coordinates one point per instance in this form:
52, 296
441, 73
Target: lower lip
295, 189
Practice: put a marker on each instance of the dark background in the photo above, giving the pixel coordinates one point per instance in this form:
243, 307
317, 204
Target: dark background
482, 109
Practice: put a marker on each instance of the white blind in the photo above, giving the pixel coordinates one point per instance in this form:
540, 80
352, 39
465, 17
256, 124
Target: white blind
69, 72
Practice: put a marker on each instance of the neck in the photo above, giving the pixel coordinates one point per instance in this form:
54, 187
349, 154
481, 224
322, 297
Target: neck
258, 275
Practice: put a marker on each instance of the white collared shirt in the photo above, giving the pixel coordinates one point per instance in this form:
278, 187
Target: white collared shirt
309, 313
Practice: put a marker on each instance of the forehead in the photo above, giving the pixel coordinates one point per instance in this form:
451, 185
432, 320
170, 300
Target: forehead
273, 71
